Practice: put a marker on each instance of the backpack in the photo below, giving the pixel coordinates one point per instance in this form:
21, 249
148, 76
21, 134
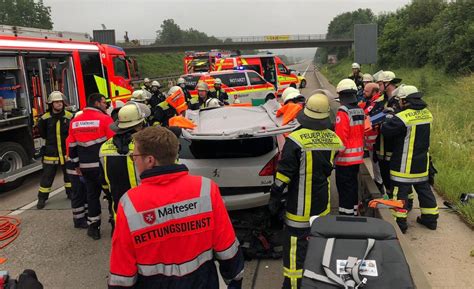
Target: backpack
354, 252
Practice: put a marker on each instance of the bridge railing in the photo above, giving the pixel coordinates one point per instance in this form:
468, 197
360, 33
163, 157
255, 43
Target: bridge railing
235, 39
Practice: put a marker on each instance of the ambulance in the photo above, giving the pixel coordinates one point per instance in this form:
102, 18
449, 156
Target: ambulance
202, 61
35, 62
270, 66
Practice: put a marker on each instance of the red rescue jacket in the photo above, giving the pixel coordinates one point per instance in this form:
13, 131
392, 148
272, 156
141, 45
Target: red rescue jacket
374, 111
168, 231
350, 129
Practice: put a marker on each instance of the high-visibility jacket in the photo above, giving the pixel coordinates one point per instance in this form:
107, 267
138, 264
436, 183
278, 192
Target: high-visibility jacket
53, 128
409, 130
88, 132
177, 100
350, 128
383, 147
305, 167
168, 232
221, 95
119, 170
289, 112
373, 109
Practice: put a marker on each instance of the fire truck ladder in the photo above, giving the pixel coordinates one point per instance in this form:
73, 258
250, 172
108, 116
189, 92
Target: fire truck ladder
43, 33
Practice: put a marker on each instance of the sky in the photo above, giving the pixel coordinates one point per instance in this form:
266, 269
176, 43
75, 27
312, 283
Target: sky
141, 18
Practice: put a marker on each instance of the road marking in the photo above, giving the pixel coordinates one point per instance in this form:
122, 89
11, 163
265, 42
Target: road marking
306, 69
32, 204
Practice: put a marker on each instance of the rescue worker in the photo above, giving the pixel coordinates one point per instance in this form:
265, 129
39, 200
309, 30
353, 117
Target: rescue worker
172, 226
305, 168
293, 103
373, 109
387, 82
350, 128
156, 95
357, 75
174, 104
203, 94
367, 78
220, 93
53, 128
119, 171
88, 132
191, 100
213, 103
147, 84
409, 130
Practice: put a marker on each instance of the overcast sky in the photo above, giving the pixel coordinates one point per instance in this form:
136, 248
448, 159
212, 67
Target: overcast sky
141, 18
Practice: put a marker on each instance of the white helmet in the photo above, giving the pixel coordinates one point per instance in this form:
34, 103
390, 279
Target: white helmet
355, 65
346, 84
406, 91
218, 81
55, 96
213, 102
367, 77
181, 81
202, 86
156, 83
174, 89
139, 96
287, 91
388, 76
146, 80
293, 95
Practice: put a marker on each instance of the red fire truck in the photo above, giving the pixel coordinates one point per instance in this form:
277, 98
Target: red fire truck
202, 61
35, 62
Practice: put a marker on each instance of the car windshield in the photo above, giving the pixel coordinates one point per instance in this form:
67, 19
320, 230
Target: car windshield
226, 149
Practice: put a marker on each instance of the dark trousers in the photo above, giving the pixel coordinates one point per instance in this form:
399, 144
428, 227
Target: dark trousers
47, 179
348, 188
93, 184
294, 253
78, 199
385, 173
428, 205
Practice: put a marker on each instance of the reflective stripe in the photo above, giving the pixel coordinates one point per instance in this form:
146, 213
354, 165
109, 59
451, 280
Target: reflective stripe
80, 209
293, 245
349, 159
75, 160
292, 273
346, 211
44, 190
58, 142
67, 185
309, 184
89, 165
50, 158
50, 162
357, 122
296, 224
371, 137
408, 180
301, 185
79, 216
72, 144
71, 172
132, 177
354, 150
399, 213
228, 253
117, 280
410, 149
429, 211
406, 144
176, 269
202, 204
282, 178
92, 142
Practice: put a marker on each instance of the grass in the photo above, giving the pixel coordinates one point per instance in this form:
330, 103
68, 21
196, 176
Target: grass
160, 64
452, 137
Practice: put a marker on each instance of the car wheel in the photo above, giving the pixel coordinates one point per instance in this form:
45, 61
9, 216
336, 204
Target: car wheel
303, 83
12, 157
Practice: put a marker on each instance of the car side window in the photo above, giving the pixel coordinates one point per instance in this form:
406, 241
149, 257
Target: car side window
232, 79
255, 79
282, 69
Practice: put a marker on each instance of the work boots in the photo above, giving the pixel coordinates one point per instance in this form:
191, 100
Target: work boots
427, 223
94, 231
80, 223
41, 201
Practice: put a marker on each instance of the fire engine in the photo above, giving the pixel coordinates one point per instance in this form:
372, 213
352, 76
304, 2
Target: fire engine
35, 62
202, 61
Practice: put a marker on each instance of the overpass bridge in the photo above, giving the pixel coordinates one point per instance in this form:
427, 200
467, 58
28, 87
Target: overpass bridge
238, 43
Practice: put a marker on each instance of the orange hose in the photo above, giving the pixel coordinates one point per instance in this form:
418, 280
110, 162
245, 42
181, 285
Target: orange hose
9, 230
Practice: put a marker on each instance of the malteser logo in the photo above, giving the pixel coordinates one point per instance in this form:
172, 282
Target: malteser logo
149, 217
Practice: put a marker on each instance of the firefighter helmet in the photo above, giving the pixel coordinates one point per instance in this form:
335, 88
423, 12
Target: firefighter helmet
367, 77
292, 96
146, 80
346, 85
156, 83
139, 96
218, 81
181, 81
174, 89
355, 65
287, 91
317, 106
131, 115
55, 96
212, 102
388, 76
202, 86
407, 92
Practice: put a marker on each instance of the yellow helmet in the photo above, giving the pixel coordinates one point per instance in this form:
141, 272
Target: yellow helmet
202, 86
131, 115
317, 106
55, 96
139, 96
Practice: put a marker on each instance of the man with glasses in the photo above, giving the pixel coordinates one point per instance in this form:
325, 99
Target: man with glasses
171, 227
119, 170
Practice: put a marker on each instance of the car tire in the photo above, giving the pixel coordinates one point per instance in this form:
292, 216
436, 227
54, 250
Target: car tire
15, 158
303, 83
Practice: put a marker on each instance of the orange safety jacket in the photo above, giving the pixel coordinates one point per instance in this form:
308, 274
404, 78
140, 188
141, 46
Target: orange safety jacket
350, 127
289, 112
169, 231
178, 101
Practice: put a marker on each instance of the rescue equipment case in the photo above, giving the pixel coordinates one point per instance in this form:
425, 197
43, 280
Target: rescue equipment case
354, 252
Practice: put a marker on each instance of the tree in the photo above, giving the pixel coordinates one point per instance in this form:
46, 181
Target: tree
27, 13
170, 33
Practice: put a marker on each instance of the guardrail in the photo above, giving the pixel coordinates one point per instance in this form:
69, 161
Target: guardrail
165, 81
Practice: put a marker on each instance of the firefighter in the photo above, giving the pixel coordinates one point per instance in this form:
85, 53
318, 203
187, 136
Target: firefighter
203, 94
119, 171
409, 130
147, 84
357, 76
191, 100
88, 132
305, 168
156, 95
53, 128
373, 109
387, 82
173, 225
174, 104
367, 78
350, 128
220, 93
